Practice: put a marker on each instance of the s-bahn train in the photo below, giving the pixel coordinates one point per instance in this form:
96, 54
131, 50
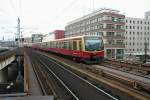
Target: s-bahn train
88, 49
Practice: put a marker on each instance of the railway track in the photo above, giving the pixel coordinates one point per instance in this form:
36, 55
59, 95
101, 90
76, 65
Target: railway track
123, 86
49, 82
133, 68
74, 86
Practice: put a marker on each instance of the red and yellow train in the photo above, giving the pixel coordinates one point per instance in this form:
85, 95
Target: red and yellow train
88, 49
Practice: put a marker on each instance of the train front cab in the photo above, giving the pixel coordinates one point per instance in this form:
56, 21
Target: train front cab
89, 49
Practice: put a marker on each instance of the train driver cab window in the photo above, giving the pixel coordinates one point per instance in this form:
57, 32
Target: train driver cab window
93, 44
74, 45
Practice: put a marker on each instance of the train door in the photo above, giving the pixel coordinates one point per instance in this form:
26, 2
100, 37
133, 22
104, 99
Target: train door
80, 45
70, 45
74, 45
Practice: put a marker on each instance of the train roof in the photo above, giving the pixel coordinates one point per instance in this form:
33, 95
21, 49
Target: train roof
76, 37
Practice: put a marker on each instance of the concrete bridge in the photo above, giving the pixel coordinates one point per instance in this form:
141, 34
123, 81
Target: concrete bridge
5, 59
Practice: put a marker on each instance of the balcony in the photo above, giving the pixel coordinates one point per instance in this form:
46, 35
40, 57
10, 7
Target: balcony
110, 37
114, 45
113, 14
111, 30
112, 22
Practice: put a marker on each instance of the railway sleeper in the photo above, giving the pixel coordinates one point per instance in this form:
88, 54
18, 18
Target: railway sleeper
101, 72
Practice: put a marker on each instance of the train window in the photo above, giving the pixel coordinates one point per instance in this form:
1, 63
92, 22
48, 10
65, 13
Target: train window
54, 45
93, 44
50, 44
57, 45
62, 45
66, 44
74, 45
46, 44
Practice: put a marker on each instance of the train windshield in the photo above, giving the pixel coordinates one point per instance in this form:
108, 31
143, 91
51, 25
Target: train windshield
93, 44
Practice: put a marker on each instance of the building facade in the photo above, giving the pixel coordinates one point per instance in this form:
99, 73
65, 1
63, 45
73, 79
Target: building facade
37, 38
27, 40
57, 34
107, 23
137, 36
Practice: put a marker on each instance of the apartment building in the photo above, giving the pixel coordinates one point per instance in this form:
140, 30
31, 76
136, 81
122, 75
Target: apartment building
137, 36
107, 23
36, 38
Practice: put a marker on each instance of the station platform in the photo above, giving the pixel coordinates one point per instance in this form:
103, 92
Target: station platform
34, 87
121, 73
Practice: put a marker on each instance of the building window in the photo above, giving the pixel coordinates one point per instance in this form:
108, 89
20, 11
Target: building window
113, 19
130, 27
130, 21
110, 26
110, 33
137, 22
119, 42
119, 27
100, 26
140, 43
100, 33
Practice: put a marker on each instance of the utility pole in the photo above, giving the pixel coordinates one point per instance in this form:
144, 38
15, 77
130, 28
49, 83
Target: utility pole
18, 33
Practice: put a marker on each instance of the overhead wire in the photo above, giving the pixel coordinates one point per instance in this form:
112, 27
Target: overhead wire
64, 10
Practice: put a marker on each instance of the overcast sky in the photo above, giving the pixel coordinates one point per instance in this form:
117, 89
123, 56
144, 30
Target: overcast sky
47, 15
